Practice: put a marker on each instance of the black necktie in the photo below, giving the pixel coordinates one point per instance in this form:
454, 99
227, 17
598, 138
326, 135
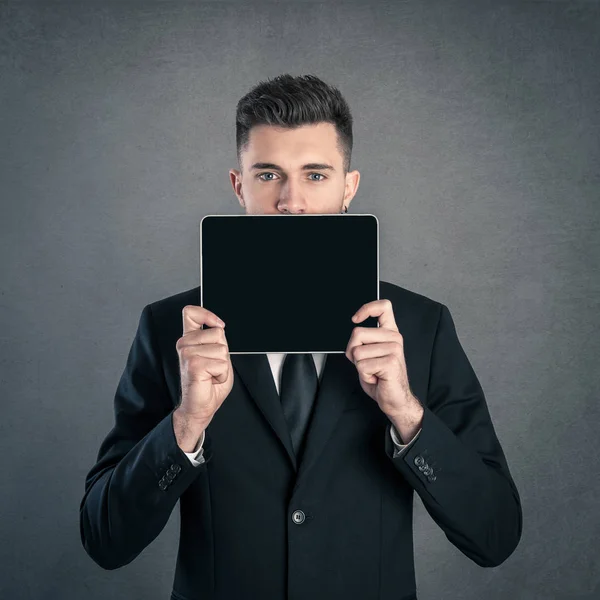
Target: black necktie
299, 384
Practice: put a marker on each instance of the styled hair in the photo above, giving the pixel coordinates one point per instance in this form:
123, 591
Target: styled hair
287, 101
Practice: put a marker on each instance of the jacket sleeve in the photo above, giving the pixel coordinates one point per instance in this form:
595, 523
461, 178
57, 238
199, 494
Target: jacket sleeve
140, 471
456, 463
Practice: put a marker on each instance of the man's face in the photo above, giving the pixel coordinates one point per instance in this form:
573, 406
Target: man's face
296, 171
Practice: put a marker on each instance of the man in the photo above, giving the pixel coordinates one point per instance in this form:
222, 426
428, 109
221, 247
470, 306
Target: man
401, 412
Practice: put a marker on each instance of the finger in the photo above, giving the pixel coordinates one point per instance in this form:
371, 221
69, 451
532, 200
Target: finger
382, 309
212, 335
208, 351
203, 368
194, 317
372, 369
371, 335
378, 350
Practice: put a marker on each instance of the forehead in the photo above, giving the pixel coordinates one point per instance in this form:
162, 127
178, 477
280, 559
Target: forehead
269, 142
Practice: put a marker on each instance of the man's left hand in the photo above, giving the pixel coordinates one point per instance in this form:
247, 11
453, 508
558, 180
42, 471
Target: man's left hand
378, 355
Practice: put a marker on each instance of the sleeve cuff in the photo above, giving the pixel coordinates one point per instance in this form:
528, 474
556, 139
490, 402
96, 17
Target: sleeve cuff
399, 446
196, 456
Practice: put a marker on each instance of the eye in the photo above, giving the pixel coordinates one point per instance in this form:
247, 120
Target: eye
260, 176
319, 175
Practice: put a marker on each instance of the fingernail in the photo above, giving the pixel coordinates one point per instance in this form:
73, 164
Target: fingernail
221, 322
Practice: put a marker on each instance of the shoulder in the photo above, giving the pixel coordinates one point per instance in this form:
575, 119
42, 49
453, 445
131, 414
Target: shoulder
408, 300
417, 316
175, 303
165, 314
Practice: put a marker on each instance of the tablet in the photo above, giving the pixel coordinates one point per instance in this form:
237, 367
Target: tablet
289, 283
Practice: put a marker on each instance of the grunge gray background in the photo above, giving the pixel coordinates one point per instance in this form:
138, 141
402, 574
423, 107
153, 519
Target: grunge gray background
477, 137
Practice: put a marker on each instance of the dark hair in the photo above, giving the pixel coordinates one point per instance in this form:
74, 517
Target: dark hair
287, 101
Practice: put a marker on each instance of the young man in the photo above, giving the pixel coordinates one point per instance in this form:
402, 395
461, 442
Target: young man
401, 412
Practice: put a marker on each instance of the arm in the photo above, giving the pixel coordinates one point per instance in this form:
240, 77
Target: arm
141, 471
456, 463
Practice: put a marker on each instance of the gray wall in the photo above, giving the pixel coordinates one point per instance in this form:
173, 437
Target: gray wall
477, 129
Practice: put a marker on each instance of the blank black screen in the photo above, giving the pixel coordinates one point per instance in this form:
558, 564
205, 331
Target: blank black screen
289, 283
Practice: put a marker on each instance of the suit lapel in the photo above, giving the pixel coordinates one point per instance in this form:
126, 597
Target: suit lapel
339, 383
255, 372
336, 392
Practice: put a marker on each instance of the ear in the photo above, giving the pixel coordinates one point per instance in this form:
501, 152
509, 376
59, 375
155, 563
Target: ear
351, 187
235, 177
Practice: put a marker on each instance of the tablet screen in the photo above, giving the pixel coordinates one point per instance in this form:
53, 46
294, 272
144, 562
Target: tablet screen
289, 283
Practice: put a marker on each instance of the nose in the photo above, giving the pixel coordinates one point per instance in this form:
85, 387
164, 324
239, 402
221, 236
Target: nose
291, 197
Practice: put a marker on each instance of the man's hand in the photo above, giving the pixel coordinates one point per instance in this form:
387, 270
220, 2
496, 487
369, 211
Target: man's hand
378, 355
206, 374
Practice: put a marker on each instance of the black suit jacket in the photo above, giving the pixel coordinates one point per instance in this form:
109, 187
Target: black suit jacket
238, 539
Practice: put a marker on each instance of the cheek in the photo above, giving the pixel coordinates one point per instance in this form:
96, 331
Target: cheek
260, 199
328, 190
256, 190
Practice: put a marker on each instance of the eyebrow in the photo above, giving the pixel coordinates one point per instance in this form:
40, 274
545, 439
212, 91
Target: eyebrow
307, 167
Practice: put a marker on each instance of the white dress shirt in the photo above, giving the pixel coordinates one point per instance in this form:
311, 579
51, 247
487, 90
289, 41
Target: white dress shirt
276, 362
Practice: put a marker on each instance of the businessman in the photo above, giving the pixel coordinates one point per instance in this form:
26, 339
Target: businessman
295, 473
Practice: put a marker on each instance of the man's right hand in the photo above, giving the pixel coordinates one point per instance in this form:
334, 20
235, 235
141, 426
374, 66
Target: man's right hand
206, 374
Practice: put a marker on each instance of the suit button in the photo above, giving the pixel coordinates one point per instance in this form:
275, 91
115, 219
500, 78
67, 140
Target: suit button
431, 478
175, 468
162, 484
428, 470
298, 517
419, 460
